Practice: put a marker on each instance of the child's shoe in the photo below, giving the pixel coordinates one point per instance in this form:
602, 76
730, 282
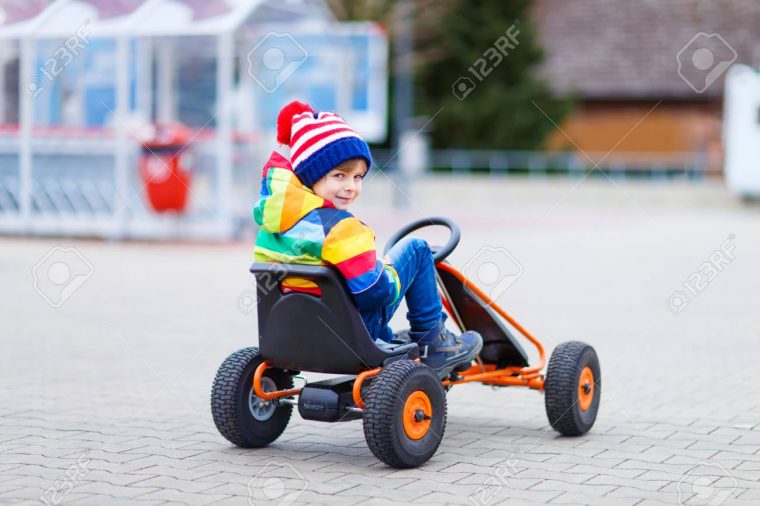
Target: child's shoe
445, 352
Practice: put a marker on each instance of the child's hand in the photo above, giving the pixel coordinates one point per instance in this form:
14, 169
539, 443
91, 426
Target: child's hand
386, 260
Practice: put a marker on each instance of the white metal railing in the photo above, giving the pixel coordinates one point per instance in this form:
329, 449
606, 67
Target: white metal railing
72, 191
619, 164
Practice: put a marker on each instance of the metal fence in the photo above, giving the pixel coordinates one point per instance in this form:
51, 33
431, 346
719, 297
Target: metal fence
544, 163
72, 187
73, 191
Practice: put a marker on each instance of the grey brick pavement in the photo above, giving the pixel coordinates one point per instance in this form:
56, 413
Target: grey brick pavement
105, 399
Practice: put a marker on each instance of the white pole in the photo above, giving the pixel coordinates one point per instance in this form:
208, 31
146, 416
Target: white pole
77, 114
165, 93
4, 49
26, 118
144, 78
246, 106
344, 74
224, 77
120, 130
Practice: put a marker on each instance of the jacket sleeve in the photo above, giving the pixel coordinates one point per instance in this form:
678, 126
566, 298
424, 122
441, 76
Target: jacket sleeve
350, 246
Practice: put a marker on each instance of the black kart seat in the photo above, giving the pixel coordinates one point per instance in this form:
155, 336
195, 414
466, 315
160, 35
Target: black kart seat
308, 332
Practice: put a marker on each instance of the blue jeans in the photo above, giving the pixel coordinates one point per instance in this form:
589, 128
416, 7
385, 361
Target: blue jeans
413, 261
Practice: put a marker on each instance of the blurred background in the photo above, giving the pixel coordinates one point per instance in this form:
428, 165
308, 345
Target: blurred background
150, 119
601, 157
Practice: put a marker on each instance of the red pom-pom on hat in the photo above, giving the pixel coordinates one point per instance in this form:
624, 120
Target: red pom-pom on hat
285, 119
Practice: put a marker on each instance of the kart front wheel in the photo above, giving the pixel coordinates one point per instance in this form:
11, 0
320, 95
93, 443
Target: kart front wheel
240, 415
573, 388
405, 414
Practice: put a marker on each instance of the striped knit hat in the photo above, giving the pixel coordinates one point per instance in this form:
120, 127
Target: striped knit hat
318, 141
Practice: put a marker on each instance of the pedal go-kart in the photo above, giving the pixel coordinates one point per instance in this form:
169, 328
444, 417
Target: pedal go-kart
401, 402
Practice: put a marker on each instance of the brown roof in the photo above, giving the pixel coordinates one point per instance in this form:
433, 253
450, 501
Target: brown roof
610, 49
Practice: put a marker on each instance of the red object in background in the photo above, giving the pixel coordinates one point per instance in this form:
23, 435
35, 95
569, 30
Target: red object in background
165, 167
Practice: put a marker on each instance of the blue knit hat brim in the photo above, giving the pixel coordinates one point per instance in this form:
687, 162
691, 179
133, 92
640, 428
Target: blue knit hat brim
330, 156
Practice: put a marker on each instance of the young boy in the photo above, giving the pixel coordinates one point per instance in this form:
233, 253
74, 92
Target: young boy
303, 218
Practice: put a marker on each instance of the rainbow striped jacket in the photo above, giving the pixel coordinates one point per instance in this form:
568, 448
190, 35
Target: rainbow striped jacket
298, 226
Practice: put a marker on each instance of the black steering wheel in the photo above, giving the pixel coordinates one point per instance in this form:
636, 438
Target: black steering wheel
439, 254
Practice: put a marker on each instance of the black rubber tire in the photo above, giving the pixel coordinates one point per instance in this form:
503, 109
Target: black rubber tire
229, 401
383, 412
561, 388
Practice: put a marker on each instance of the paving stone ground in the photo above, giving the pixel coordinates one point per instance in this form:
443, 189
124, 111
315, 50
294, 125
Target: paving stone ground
104, 399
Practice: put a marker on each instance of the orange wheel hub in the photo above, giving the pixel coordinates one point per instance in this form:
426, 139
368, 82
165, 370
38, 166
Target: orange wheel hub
586, 388
417, 415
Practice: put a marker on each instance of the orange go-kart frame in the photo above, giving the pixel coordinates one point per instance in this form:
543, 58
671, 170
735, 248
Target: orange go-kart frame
487, 374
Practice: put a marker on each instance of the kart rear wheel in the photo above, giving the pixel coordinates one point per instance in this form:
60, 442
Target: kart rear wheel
573, 388
239, 414
405, 414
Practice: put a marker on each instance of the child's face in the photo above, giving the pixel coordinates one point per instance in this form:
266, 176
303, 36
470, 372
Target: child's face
343, 184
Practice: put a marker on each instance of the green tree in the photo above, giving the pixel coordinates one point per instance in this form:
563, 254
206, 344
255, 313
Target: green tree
501, 111
450, 36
